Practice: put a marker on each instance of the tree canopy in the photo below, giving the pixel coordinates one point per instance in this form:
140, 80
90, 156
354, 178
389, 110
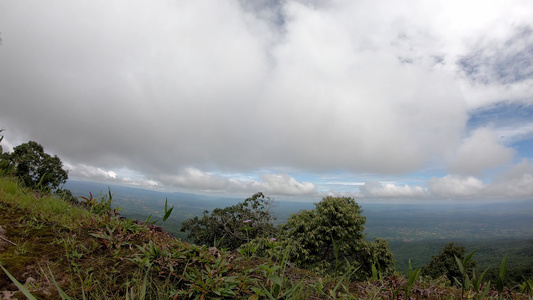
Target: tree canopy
232, 226
332, 234
34, 167
445, 263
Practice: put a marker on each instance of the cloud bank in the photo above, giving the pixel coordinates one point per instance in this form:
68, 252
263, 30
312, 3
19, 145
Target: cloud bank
179, 92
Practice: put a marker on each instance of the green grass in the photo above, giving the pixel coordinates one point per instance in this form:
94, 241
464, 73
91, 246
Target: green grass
71, 253
55, 209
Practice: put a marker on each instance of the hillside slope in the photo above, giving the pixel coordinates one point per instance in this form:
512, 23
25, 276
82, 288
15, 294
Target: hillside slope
59, 250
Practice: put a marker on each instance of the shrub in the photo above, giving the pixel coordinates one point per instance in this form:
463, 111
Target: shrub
330, 238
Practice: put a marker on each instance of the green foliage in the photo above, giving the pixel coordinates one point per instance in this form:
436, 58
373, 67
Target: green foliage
4, 163
167, 211
66, 195
481, 289
412, 279
471, 285
527, 286
446, 264
35, 168
19, 285
331, 233
227, 225
100, 205
501, 278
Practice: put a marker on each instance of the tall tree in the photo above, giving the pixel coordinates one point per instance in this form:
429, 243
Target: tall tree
34, 167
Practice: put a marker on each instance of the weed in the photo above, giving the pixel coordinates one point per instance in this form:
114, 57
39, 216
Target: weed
22, 249
412, 278
100, 205
167, 212
465, 280
19, 285
501, 277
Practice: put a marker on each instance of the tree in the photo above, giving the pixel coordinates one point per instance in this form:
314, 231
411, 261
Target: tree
332, 234
232, 226
445, 263
34, 167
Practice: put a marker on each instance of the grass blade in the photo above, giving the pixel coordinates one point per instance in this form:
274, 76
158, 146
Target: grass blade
62, 293
19, 285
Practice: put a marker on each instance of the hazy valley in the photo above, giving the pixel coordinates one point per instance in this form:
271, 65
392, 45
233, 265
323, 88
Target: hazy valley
414, 231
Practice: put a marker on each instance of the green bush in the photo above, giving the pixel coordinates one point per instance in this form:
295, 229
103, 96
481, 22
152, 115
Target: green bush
330, 238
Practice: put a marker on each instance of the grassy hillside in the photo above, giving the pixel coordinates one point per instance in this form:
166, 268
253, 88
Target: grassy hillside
55, 250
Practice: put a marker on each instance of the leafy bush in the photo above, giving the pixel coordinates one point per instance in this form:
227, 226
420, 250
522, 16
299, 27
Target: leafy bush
232, 226
330, 238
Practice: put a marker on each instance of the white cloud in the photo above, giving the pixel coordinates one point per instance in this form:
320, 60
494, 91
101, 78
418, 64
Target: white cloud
191, 178
515, 132
125, 177
90, 172
270, 184
209, 86
516, 182
235, 86
455, 186
479, 152
376, 189
283, 184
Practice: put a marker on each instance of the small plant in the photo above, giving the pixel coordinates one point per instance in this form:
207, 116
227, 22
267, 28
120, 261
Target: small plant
167, 212
318, 285
28, 294
210, 281
527, 287
336, 246
101, 205
21, 249
413, 277
111, 238
19, 285
501, 278
333, 293
129, 225
481, 289
149, 220
247, 250
465, 282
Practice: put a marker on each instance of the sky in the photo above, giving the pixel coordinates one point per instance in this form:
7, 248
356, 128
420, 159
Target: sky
298, 99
